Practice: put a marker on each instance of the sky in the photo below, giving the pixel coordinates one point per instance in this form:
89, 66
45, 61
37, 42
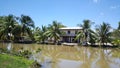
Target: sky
68, 12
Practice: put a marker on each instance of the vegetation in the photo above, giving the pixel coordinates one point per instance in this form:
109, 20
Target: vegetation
9, 61
54, 31
22, 29
118, 26
116, 35
19, 59
7, 25
42, 34
87, 35
11, 29
37, 34
103, 33
26, 24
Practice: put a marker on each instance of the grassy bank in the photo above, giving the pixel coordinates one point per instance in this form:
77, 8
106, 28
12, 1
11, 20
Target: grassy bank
8, 61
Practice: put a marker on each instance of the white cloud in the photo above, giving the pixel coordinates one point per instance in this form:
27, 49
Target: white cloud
115, 7
95, 1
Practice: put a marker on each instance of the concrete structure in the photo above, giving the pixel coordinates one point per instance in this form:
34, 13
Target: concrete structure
70, 34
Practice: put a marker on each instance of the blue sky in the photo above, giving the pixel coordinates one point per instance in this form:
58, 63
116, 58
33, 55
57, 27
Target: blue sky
68, 12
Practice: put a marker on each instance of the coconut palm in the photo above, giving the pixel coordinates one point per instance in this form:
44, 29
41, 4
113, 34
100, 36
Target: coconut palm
26, 25
39, 34
103, 33
116, 35
53, 31
3, 30
7, 25
118, 25
17, 32
87, 35
43, 36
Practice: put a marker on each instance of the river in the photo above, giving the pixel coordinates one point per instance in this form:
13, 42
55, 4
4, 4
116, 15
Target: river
57, 56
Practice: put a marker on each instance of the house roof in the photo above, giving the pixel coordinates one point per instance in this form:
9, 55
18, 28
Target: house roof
71, 28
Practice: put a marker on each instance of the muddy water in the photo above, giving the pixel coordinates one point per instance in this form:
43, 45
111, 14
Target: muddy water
53, 56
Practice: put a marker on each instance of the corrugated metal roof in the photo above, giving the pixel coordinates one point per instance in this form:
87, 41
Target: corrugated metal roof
72, 28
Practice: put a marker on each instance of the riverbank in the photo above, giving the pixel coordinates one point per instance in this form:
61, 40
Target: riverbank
9, 61
17, 59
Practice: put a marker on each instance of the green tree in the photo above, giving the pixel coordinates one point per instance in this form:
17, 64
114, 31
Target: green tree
53, 31
7, 25
37, 33
103, 33
26, 25
3, 30
40, 35
17, 32
118, 25
116, 35
43, 36
87, 35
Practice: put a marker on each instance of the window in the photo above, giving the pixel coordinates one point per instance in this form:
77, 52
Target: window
68, 32
76, 32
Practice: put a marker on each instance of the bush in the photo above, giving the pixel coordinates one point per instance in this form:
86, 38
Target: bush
116, 42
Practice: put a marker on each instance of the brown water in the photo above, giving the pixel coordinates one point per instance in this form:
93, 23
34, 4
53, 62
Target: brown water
53, 56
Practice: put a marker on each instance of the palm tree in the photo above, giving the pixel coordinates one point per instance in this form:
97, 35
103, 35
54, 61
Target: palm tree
87, 35
118, 25
53, 31
39, 34
26, 25
17, 32
116, 35
43, 36
103, 33
7, 25
3, 30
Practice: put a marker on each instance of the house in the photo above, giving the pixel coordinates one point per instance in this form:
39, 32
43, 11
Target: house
69, 34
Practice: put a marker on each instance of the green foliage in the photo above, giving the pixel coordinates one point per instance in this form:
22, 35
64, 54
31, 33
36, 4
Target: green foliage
43, 36
37, 33
10, 29
3, 50
24, 53
13, 28
21, 53
116, 42
35, 65
17, 59
38, 50
103, 33
7, 25
53, 31
116, 34
87, 24
118, 25
8, 61
26, 25
87, 35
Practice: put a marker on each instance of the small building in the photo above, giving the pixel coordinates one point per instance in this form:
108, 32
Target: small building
69, 34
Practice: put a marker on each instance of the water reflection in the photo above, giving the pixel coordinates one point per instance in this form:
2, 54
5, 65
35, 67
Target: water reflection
9, 46
70, 57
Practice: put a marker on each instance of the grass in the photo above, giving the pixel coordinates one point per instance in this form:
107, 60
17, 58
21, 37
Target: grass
9, 61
